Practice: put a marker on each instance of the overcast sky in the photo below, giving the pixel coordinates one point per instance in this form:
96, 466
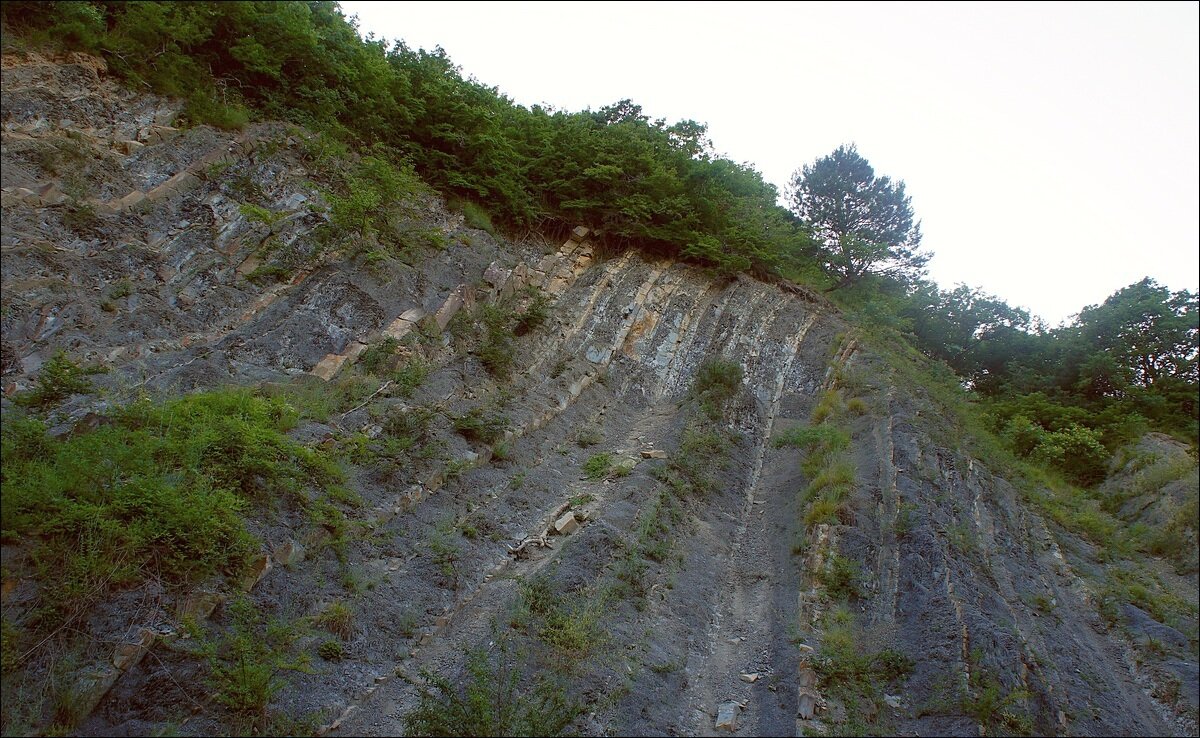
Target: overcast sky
1051, 150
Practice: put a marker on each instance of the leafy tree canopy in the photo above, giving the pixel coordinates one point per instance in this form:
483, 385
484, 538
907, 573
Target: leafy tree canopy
861, 224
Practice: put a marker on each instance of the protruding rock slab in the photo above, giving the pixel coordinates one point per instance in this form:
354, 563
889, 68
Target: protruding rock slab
462, 297
130, 652
807, 705
329, 366
806, 676
654, 453
258, 569
90, 686
199, 605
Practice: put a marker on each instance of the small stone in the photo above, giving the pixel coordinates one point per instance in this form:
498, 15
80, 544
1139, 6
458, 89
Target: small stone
654, 453
566, 525
727, 713
892, 700
580, 232
805, 648
751, 678
290, 553
381, 678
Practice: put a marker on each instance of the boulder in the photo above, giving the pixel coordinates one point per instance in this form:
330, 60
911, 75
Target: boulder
289, 553
654, 453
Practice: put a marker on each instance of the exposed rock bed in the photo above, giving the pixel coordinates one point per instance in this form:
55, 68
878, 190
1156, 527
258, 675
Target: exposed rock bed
621, 350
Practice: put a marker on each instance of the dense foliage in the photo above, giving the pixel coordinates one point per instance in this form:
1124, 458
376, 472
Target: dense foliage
637, 180
1065, 397
155, 490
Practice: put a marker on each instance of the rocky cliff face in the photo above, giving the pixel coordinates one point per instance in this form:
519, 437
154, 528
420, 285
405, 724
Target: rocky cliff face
680, 584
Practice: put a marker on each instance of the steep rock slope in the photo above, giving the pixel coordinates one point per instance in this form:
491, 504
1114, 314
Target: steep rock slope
678, 584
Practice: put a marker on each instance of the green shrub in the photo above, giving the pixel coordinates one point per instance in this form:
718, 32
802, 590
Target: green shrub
378, 356
829, 406
268, 274
597, 467
446, 550
481, 426
587, 437
489, 700
474, 215
841, 577
337, 618
410, 376
836, 481
857, 405
821, 511
905, 519
535, 314
202, 108
122, 288
58, 379
245, 664
853, 675
331, 650
496, 353
717, 381
822, 438
158, 491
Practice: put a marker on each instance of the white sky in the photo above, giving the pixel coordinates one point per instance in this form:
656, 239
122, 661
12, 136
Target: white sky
1051, 150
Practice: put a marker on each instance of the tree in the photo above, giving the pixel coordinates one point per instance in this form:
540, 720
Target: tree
1146, 330
861, 224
